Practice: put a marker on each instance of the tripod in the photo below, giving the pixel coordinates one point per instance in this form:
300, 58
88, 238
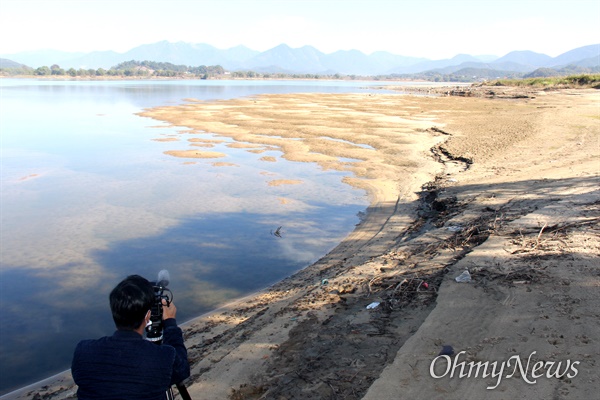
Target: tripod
180, 387
182, 392
154, 330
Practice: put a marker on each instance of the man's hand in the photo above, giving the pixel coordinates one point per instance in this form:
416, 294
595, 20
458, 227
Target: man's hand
169, 311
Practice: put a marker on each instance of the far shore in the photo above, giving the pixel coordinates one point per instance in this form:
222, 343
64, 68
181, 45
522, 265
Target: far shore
224, 78
502, 182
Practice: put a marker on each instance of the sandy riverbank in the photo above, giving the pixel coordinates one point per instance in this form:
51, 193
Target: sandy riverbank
505, 186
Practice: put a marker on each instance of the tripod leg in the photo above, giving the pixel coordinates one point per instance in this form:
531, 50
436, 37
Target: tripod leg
170, 395
183, 391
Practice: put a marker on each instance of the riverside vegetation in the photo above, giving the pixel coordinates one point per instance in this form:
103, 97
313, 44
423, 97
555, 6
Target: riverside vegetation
565, 77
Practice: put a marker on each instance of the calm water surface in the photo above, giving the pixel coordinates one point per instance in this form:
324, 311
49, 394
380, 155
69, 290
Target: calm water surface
87, 198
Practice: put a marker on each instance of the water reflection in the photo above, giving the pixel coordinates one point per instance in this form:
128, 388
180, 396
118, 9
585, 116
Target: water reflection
145, 94
212, 259
88, 197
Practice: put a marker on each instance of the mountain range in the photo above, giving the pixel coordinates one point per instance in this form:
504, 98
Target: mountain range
307, 59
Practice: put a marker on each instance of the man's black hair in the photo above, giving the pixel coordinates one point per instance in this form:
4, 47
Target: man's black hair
130, 300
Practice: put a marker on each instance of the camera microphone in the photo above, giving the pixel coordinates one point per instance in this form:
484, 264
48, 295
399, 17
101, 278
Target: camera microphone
163, 278
154, 331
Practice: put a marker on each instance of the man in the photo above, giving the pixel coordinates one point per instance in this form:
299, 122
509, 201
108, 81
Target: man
124, 365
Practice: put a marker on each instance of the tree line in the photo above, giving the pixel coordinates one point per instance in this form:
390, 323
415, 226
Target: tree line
125, 69
150, 69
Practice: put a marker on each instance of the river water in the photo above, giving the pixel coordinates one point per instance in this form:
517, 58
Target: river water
88, 197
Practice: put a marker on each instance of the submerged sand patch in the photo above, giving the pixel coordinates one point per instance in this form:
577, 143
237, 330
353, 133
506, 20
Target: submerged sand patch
236, 145
281, 182
206, 145
224, 164
30, 176
194, 154
259, 151
384, 136
205, 140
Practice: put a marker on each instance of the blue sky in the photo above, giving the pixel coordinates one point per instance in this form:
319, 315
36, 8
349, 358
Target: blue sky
434, 29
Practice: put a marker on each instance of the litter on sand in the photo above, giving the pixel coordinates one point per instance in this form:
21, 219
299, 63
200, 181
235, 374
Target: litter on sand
373, 305
447, 350
464, 277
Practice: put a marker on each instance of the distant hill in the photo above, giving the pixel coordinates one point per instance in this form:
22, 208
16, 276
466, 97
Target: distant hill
577, 55
591, 62
5, 63
190, 54
284, 58
10, 67
564, 71
351, 62
309, 60
437, 65
526, 58
42, 57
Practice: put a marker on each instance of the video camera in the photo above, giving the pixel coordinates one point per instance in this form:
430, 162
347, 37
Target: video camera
154, 332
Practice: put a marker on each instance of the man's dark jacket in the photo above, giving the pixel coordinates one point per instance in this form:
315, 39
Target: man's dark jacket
126, 366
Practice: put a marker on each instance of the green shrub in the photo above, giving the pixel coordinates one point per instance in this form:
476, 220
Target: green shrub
583, 80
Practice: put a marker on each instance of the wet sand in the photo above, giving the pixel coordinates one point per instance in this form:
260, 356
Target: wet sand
504, 185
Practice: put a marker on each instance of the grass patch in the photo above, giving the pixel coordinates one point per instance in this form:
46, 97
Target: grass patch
583, 80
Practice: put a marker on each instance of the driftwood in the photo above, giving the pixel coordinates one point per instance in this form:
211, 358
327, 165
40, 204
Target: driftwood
519, 276
528, 244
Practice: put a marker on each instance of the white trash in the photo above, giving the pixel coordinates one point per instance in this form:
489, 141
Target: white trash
464, 277
373, 305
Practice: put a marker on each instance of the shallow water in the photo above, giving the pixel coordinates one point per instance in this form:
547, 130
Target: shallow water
88, 197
